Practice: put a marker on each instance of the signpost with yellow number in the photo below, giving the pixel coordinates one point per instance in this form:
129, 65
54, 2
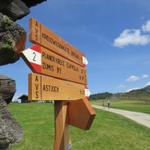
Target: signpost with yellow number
59, 74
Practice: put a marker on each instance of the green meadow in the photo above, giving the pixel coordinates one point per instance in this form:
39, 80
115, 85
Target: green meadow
109, 131
132, 105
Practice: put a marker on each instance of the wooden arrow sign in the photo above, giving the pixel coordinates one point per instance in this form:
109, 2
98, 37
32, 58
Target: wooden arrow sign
45, 62
81, 114
39, 34
48, 88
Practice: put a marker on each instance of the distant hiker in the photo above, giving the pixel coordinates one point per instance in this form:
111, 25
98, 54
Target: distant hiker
103, 103
108, 103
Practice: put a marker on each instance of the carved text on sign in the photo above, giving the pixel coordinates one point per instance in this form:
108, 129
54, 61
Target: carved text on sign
48, 88
48, 63
43, 36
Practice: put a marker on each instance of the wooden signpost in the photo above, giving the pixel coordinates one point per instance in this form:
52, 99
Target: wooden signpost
59, 75
43, 36
48, 88
45, 62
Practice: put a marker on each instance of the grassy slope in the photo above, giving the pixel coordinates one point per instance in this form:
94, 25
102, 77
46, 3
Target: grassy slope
37, 122
132, 105
138, 106
109, 131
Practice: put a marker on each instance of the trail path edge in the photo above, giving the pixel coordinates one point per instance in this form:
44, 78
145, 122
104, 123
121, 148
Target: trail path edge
138, 117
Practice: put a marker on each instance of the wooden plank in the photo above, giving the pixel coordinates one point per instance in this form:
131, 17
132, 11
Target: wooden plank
62, 138
49, 88
45, 62
81, 114
40, 34
57, 66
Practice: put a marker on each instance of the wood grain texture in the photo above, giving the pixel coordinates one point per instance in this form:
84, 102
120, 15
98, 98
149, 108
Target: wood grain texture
43, 36
57, 66
46, 62
62, 139
81, 114
49, 88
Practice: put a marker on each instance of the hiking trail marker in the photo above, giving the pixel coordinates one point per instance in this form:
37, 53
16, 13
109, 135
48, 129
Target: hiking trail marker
48, 88
45, 62
59, 74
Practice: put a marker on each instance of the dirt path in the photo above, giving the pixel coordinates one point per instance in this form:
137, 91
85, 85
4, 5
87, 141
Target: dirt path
141, 118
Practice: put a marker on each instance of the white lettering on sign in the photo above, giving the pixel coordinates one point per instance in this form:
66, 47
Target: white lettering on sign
32, 56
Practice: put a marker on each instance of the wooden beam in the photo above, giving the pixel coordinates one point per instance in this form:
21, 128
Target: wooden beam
81, 114
62, 139
40, 34
49, 88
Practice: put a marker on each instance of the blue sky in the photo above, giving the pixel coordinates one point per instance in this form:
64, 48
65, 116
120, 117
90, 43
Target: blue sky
114, 35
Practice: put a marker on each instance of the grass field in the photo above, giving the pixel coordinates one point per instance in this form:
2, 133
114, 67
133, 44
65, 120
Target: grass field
109, 131
132, 105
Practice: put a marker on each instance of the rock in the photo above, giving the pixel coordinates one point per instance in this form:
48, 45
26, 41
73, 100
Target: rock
12, 40
7, 88
10, 131
14, 9
30, 3
12, 35
17, 9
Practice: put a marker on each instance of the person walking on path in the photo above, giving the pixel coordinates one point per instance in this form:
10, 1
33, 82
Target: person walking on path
108, 103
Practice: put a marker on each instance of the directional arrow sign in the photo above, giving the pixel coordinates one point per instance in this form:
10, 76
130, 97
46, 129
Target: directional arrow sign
40, 34
48, 88
45, 62
81, 114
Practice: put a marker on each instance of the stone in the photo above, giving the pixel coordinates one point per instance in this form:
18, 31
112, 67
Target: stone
12, 35
17, 9
10, 131
7, 88
30, 3
12, 40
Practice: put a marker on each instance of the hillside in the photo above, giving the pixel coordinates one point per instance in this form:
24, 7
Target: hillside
143, 93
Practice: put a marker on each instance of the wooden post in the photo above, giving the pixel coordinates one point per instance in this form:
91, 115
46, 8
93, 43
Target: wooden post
62, 141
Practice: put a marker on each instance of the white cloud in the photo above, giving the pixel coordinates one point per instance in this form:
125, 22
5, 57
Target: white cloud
146, 27
145, 76
131, 37
148, 83
140, 36
132, 89
133, 78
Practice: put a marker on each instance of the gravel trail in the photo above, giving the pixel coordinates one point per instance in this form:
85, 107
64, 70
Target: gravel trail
141, 118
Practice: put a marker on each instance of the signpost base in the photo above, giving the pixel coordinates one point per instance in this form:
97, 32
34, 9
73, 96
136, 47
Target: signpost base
62, 139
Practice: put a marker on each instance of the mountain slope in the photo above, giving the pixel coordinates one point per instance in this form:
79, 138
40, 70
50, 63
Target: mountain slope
143, 93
